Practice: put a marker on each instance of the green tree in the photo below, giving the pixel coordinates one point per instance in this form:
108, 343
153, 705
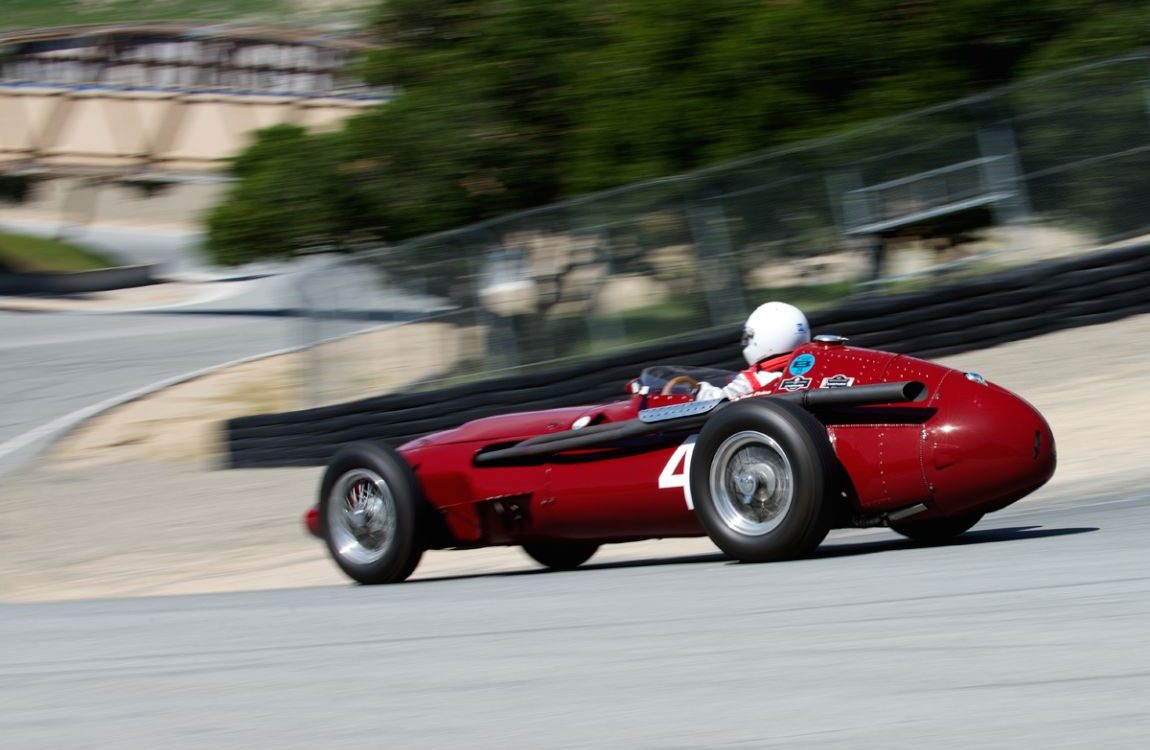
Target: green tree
504, 105
482, 113
682, 84
289, 197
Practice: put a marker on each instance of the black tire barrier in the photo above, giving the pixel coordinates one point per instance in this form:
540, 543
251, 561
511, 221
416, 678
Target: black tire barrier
78, 282
995, 309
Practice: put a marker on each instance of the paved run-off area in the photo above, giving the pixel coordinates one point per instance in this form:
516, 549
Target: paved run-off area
146, 528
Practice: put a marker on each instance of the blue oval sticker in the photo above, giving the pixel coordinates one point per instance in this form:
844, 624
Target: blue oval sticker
802, 364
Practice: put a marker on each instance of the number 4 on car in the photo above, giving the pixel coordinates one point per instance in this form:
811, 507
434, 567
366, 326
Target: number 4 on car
676, 474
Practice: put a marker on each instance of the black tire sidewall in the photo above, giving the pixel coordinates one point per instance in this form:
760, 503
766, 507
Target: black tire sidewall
804, 441
936, 530
560, 555
406, 549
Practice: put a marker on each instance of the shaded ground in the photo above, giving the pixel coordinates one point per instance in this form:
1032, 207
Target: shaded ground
150, 296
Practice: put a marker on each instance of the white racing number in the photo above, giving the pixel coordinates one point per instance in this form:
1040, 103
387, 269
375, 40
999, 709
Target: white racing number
672, 478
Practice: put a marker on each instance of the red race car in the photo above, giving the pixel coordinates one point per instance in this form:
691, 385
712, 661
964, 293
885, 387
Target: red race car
849, 437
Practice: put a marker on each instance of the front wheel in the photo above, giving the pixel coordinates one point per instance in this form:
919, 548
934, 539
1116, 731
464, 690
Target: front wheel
369, 513
936, 530
762, 478
560, 555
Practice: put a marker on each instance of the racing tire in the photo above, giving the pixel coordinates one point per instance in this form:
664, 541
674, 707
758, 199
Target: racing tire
936, 530
560, 555
763, 476
370, 513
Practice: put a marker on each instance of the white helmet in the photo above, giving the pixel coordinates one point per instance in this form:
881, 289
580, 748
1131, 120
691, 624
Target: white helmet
774, 328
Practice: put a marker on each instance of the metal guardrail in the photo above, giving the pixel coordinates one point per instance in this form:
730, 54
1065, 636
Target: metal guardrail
974, 313
1014, 175
78, 282
910, 200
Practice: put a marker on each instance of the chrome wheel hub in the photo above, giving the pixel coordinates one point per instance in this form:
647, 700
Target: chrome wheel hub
361, 516
756, 484
751, 483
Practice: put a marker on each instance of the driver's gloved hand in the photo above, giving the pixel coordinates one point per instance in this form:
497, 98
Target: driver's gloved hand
708, 392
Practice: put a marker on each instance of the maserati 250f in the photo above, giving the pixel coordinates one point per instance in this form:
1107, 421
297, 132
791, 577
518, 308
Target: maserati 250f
848, 437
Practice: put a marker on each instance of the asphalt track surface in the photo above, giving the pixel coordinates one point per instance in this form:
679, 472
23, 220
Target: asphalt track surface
1030, 632
57, 367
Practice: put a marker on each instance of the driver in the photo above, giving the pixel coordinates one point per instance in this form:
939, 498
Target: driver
772, 332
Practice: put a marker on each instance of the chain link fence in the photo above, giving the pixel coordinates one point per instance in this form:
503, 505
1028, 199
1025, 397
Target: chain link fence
1051, 166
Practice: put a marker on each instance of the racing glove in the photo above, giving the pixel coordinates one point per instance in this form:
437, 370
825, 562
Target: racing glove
737, 388
708, 392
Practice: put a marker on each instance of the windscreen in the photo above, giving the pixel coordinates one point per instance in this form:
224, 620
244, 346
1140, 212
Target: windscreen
656, 378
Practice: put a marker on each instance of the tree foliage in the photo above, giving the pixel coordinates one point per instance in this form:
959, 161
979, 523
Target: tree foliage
509, 104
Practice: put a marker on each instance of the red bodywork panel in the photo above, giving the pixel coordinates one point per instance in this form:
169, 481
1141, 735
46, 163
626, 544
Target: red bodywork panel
970, 446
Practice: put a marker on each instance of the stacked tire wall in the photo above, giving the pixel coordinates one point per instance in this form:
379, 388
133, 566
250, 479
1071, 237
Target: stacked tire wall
986, 311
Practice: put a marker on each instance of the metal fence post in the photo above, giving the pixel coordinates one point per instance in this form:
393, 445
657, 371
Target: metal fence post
1146, 85
717, 263
308, 335
609, 326
1002, 165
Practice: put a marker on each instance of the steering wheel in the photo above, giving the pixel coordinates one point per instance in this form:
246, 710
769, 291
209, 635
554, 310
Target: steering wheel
670, 384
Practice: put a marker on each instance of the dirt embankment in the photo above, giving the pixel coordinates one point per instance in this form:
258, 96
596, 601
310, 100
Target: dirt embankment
185, 421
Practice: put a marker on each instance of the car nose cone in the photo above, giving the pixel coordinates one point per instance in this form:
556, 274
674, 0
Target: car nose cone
986, 447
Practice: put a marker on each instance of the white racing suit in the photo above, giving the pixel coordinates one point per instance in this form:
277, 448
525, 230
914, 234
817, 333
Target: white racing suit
748, 381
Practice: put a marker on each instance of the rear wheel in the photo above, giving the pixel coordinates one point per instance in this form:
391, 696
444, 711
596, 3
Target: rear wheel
561, 555
936, 530
369, 514
762, 478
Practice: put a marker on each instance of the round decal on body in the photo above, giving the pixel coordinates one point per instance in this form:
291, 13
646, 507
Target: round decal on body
802, 364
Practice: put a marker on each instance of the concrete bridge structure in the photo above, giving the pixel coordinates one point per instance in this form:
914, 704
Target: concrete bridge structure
164, 102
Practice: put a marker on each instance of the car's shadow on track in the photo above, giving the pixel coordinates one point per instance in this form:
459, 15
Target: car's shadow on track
846, 547
615, 565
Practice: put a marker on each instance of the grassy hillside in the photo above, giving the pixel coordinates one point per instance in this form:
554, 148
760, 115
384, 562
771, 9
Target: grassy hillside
25, 13
20, 252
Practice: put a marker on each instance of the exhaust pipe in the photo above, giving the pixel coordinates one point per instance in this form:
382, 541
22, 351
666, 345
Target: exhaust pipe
910, 391
597, 436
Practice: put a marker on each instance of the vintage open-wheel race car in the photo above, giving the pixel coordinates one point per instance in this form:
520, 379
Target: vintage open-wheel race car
847, 437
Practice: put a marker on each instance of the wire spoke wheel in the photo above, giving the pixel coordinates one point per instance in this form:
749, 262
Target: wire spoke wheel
762, 476
370, 511
751, 482
362, 516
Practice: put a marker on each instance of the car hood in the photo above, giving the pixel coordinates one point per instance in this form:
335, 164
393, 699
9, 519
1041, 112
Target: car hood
505, 427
